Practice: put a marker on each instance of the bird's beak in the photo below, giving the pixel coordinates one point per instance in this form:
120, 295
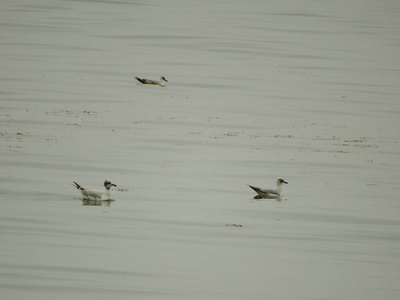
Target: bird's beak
113, 184
285, 182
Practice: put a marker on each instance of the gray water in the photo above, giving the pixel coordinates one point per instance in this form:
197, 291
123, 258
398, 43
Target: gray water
305, 90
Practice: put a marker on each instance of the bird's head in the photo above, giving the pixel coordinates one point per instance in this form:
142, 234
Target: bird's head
108, 184
281, 181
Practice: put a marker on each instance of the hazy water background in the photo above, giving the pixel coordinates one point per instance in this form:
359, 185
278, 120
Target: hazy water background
306, 90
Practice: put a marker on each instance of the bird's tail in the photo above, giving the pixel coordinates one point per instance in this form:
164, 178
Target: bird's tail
78, 186
254, 187
139, 79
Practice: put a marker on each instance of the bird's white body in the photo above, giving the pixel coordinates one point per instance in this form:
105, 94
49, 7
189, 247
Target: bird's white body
269, 193
96, 195
161, 82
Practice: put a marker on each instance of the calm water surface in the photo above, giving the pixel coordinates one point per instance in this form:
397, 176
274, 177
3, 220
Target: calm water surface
308, 91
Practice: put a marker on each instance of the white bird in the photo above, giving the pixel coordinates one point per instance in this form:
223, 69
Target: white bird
269, 193
162, 81
94, 195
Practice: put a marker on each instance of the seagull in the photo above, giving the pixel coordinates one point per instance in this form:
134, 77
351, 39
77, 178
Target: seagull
269, 193
162, 81
94, 195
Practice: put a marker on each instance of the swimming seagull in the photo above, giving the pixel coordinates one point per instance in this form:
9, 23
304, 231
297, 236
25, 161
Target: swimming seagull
94, 195
269, 193
162, 81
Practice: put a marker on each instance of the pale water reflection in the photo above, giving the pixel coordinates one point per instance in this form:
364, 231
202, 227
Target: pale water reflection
87, 202
306, 90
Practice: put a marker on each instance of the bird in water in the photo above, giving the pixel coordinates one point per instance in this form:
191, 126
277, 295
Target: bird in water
269, 193
96, 195
161, 82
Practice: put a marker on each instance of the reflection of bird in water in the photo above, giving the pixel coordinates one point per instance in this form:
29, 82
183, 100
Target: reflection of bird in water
94, 195
87, 202
269, 193
162, 81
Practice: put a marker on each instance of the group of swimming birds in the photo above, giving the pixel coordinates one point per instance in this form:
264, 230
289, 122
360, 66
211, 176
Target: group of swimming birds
105, 195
